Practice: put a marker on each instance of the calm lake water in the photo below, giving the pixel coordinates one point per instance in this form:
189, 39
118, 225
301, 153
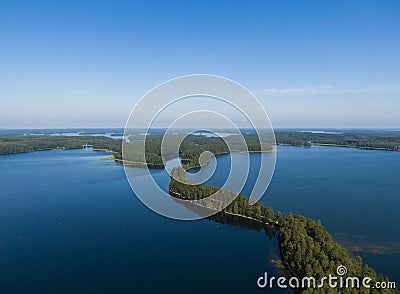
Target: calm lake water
69, 223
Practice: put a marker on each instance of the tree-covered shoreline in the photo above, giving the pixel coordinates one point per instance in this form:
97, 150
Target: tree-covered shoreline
194, 145
24, 144
388, 141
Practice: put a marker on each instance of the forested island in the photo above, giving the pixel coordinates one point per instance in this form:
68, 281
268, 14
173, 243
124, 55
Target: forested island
307, 249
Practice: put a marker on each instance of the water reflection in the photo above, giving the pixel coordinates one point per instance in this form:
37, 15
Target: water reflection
233, 220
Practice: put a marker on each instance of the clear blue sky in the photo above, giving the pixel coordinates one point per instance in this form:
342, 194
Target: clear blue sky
312, 63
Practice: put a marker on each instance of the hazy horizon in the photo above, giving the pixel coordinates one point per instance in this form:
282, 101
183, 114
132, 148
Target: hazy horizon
216, 128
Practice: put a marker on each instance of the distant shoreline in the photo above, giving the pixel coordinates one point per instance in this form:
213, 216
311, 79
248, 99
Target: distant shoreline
383, 141
235, 151
339, 145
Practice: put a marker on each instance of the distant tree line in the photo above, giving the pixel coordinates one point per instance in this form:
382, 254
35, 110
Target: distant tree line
29, 143
380, 141
194, 145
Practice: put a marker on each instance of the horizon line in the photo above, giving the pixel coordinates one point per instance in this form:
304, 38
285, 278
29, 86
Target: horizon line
221, 128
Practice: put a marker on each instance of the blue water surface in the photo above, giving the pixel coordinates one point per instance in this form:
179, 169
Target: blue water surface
69, 223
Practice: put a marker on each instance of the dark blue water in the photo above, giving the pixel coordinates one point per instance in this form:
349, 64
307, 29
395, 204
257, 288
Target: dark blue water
69, 223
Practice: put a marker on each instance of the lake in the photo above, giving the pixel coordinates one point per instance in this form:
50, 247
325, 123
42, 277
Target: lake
70, 223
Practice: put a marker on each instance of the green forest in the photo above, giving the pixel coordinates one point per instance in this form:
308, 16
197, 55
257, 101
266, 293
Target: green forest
29, 143
309, 250
374, 141
194, 145
190, 149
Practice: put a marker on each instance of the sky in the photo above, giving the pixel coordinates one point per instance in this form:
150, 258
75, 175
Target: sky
316, 64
